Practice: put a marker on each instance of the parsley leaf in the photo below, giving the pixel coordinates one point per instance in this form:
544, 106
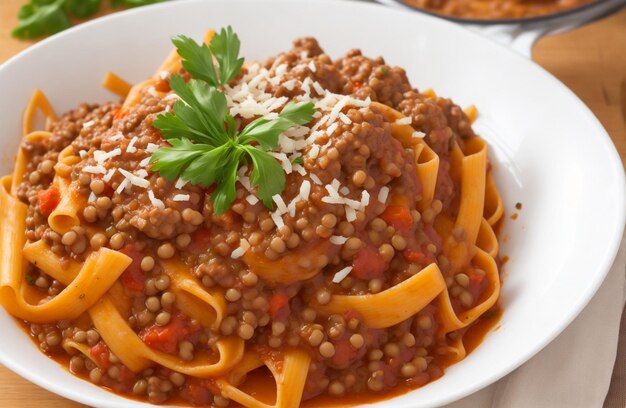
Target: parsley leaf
83, 8
225, 47
198, 58
41, 18
206, 148
134, 3
266, 132
199, 116
266, 173
45, 17
226, 192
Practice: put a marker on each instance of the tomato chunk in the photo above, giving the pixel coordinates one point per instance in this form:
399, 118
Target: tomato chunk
368, 263
399, 217
133, 277
125, 374
48, 200
344, 353
200, 241
100, 353
279, 306
165, 338
197, 392
417, 257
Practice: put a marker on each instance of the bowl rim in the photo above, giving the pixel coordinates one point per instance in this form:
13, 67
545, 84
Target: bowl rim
604, 265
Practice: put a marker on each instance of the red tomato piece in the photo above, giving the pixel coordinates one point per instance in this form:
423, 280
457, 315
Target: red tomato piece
48, 200
344, 353
417, 257
196, 392
475, 278
100, 353
368, 263
200, 241
125, 374
279, 306
165, 338
133, 277
399, 217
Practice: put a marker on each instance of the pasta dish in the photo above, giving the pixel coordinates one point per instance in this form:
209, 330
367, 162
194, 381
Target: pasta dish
234, 233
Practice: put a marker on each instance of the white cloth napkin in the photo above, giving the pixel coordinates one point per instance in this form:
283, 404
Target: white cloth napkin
575, 369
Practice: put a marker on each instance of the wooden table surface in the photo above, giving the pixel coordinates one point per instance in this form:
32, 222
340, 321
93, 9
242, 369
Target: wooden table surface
590, 60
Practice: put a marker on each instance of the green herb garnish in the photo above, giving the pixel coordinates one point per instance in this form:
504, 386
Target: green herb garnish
198, 58
206, 148
45, 17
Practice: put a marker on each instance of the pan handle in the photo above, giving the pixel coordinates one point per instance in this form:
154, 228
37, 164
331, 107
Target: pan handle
515, 37
521, 37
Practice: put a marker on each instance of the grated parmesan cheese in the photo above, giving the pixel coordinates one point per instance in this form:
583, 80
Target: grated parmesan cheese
365, 199
180, 183
312, 66
301, 170
181, 197
92, 197
418, 135
82, 154
305, 189
338, 239
151, 148
281, 207
135, 180
318, 88
314, 151
350, 214
89, 124
122, 186
345, 119
145, 162
341, 275
252, 199
316, 179
278, 220
131, 145
101, 156
117, 136
155, 201
331, 129
291, 208
99, 169
109, 175
407, 120
383, 194
333, 200
243, 247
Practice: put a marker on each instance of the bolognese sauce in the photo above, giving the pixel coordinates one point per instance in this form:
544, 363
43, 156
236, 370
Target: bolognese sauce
355, 220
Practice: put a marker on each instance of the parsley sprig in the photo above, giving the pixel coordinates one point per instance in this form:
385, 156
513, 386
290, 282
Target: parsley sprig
206, 147
46, 17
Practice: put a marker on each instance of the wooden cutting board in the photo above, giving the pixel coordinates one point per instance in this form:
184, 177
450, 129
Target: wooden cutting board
591, 61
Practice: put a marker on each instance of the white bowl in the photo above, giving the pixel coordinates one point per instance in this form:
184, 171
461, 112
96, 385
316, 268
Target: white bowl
549, 152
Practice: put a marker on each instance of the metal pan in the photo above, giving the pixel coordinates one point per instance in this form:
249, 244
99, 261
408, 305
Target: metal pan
521, 34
